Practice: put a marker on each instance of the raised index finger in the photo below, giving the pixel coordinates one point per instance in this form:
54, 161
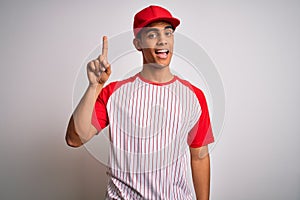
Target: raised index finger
104, 46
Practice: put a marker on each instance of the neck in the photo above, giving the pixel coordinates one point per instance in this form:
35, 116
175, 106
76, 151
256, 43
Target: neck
156, 74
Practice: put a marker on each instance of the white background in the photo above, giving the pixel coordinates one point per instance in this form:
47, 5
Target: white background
254, 44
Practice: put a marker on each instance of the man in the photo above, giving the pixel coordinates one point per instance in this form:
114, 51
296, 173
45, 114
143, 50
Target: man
152, 117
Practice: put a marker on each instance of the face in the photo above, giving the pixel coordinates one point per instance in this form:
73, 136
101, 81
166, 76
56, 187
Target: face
156, 43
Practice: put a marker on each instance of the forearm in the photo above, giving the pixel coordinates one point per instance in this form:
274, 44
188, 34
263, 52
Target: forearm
80, 129
83, 113
201, 176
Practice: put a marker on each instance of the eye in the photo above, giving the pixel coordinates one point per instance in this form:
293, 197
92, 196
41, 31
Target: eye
169, 33
152, 35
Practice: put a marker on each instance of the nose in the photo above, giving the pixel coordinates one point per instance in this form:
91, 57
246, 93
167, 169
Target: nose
162, 40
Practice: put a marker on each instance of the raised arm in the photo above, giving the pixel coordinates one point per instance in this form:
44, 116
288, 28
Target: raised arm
80, 128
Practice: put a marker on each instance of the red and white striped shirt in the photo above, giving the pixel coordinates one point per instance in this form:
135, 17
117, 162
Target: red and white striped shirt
150, 127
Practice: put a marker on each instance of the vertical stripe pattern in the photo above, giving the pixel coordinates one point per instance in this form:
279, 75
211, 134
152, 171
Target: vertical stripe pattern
149, 124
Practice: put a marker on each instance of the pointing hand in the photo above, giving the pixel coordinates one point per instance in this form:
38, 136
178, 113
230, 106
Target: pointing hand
99, 70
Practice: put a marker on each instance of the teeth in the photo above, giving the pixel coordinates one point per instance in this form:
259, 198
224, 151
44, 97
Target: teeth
162, 51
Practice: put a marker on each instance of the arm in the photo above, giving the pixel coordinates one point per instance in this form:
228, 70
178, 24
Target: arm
80, 128
200, 165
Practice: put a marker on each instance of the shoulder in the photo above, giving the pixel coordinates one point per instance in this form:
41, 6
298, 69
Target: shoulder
114, 86
197, 91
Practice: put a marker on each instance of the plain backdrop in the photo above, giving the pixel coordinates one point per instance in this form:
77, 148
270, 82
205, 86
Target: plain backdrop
255, 46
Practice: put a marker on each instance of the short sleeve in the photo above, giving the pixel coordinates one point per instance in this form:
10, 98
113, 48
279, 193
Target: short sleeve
201, 134
100, 118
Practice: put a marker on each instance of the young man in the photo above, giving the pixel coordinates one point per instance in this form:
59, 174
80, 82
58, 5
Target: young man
152, 117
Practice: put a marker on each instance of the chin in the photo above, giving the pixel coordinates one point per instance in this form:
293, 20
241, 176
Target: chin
164, 63
161, 64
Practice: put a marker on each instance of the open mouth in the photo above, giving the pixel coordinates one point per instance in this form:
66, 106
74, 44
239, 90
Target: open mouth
162, 53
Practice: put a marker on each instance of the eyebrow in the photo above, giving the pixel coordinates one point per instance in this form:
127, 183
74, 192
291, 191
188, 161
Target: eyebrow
156, 29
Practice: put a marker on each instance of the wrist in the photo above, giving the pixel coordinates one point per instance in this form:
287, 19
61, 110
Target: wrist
96, 85
96, 88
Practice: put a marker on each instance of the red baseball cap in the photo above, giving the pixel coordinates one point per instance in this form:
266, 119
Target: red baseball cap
153, 14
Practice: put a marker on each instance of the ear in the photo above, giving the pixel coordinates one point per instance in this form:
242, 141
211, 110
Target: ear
137, 44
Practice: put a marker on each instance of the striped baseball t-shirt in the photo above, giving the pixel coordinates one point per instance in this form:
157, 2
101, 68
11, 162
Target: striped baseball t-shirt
150, 127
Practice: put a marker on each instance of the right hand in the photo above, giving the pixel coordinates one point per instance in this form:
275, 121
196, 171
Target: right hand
99, 70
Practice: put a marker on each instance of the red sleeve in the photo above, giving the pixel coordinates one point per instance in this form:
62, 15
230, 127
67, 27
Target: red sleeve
100, 118
201, 134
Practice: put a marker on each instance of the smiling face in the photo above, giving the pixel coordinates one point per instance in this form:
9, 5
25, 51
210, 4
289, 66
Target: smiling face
156, 43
